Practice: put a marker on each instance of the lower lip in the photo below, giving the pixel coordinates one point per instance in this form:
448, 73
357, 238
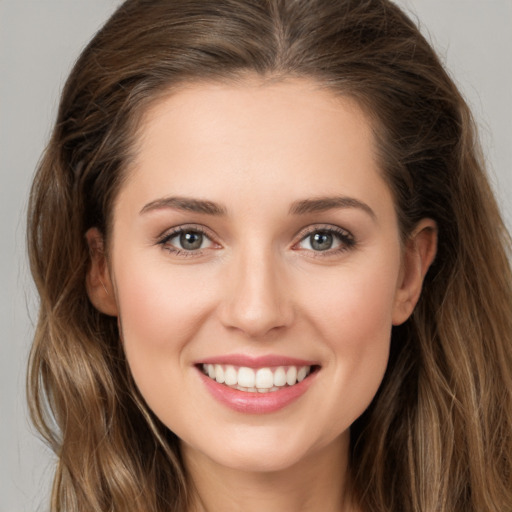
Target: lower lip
256, 403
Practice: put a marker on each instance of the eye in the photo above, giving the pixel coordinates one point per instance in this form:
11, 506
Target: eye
326, 240
190, 240
320, 241
186, 240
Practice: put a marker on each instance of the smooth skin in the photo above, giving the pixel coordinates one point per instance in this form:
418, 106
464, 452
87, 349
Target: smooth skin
255, 220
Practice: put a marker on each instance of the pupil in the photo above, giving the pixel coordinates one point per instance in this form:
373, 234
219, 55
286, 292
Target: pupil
321, 241
191, 240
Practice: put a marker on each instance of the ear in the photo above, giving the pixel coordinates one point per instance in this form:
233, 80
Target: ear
98, 282
419, 253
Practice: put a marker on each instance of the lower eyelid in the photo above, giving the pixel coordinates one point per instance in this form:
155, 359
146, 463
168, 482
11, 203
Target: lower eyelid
182, 252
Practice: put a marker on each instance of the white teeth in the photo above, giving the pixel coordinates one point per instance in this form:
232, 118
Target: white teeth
301, 374
246, 377
230, 376
291, 376
262, 380
279, 377
219, 374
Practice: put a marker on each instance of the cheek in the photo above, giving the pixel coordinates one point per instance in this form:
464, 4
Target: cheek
354, 306
154, 298
354, 319
160, 312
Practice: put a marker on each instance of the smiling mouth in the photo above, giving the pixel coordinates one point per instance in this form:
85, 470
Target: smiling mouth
257, 380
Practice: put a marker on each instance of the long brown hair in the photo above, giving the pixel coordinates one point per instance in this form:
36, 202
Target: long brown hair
438, 435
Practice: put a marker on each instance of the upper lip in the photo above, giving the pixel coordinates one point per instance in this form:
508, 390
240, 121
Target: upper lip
256, 362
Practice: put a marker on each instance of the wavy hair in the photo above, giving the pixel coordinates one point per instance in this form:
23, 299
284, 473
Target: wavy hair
438, 435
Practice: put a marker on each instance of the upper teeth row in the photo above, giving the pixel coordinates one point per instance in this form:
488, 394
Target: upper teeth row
260, 379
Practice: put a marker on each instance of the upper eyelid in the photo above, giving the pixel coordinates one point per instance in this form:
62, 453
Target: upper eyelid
171, 232
308, 230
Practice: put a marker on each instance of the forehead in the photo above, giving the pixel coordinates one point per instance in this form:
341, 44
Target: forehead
292, 136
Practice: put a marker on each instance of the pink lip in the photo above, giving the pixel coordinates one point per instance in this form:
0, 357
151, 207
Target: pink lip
270, 360
256, 403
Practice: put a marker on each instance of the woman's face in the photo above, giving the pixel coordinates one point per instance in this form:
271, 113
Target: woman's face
255, 241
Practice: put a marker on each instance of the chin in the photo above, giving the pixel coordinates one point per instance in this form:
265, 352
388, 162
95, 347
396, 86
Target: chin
265, 450
257, 460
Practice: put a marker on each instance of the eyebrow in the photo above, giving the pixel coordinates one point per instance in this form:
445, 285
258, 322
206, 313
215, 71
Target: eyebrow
301, 207
323, 204
186, 204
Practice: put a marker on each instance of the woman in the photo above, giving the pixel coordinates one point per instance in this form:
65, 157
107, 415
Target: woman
271, 269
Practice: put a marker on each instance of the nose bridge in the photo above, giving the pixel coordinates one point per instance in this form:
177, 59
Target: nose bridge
256, 302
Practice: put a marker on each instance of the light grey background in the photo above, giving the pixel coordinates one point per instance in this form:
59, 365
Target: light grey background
40, 39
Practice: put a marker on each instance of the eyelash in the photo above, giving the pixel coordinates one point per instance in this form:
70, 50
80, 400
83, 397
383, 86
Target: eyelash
344, 237
165, 239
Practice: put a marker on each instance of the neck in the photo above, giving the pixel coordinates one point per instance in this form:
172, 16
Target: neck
318, 482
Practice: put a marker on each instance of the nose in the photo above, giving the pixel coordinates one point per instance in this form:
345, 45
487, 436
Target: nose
257, 298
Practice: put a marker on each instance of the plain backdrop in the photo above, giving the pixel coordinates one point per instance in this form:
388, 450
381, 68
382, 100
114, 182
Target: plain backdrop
39, 41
